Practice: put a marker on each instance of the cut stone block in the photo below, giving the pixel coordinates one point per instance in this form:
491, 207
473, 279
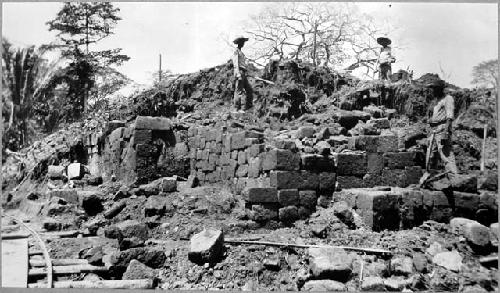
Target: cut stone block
206, 246
466, 204
288, 197
330, 263
278, 159
375, 163
255, 150
308, 198
348, 182
411, 207
474, 232
168, 184
438, 206
303, 180
132, 228
399, 160
327, 181
153, 123
379, 209
286, 144
351, 163
69, 195
324, 285
75, 171
264, 212
288, 214
238, 140
318, 163
56, 172
387, 143
262, 195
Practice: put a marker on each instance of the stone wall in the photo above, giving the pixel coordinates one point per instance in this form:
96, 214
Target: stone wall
282, 177
145, 150
282, 180
375, 160
395, 208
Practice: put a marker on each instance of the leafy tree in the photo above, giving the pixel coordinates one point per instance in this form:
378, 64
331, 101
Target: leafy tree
485, 74
79, 25
108, 81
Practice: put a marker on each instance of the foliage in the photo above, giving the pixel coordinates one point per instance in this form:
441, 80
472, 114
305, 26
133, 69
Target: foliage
26, 78
485, 74
108, 81
81, 24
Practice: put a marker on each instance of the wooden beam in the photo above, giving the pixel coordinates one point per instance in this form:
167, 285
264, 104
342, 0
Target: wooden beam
59, 262
67, 270
103, 284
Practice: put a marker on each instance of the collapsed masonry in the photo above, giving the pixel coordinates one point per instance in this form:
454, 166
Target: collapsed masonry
282, 177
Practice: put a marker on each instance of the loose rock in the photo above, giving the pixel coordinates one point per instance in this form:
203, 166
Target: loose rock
206, 246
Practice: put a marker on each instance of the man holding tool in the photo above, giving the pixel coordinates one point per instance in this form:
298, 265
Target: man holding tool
441, 130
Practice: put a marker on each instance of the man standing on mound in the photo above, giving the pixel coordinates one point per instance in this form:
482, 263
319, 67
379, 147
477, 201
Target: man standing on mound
242, 100
441, 126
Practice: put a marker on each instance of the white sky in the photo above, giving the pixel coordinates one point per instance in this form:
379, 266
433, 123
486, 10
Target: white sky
454, 36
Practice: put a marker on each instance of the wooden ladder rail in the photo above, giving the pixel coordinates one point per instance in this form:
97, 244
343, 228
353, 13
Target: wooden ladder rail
42, 246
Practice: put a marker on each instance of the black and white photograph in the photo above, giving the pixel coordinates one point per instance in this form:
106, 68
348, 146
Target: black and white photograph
250, 146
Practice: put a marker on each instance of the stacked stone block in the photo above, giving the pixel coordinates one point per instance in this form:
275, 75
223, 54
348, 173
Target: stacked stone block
395, 208
375, 160
296, 180
218, 155
143, 151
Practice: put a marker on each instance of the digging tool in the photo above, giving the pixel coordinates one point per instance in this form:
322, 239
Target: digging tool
483, 149
263, 80
429, 178
428, 154
281, 244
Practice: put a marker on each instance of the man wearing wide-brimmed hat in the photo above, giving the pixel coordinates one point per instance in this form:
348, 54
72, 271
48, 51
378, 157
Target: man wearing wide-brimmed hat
242, 90
385, 58
440, 140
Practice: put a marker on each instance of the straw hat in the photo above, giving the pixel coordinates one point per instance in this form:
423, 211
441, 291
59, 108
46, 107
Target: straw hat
383, 41
239, 39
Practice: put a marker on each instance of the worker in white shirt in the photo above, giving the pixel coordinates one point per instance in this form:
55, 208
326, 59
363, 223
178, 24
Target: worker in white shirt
385, 59
441, 121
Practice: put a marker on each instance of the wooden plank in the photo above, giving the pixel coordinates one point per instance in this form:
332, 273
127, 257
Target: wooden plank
18, 235
103, 284
15, 263
59, 262
66, 270
35, 252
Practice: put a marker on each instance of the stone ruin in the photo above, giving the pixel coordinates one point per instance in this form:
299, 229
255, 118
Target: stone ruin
284, 177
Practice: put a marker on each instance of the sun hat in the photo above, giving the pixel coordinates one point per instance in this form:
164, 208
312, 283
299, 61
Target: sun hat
239, 39
384, 41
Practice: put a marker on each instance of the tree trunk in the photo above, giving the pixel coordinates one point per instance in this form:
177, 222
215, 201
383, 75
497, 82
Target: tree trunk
314, 44
11, 118
86, 94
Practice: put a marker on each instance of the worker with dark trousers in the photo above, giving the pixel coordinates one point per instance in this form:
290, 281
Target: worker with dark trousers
243, 99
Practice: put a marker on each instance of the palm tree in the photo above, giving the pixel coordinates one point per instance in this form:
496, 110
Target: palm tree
26, 78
